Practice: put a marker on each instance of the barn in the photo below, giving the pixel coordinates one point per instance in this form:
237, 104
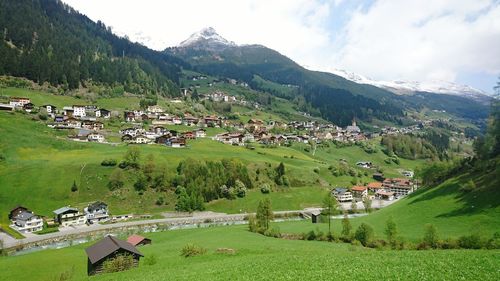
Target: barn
137, 240
107, 248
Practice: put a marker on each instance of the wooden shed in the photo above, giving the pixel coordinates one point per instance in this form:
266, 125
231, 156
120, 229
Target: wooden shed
107, 248
316, 216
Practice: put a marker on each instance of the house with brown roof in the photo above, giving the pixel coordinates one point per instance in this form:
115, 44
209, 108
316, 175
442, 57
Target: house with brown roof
138, 240
106, 249
399, 186
374, 186
359, 191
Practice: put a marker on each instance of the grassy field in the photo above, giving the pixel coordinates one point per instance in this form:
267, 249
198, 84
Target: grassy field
49, 164
261, 258
453, 212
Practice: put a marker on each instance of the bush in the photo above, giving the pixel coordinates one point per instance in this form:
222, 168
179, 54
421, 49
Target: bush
364, 234
160, 201
273, 232
473, 241
109, 162
191, 250
119, 263
265, 188
311, 235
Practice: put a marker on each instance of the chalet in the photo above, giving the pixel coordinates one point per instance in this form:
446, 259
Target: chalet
211, 121
342, 194
144, 117
385, 195
108, 248
140, 139
102, 113
16, 211
132, 131
58, 119
129, 116
160, 130
51, 109
409, 174
73, 123
28, 107
18, 101
200, 133
400, 187
79, 111
254, 125
96, 212
359, 191
26, 221
177, 142
189, 135
95, 137
67, 216
137, 240
68, 111
91, 125
189, 120
163, 139
374, 186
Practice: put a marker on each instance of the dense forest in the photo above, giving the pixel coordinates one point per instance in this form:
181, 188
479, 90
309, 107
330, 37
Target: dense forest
49, 42
430, 145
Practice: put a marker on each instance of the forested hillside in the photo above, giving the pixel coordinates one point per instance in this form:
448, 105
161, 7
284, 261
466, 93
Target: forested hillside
48, 41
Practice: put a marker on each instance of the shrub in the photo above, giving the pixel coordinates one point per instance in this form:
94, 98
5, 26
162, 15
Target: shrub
265, 188
252, 224
448, 243
160, 201
468, 187
316, 170
191, 250
364, 234
430, 236
119, 263
473, 241
494, 243
109, 162
74, 188
311, 235
273, 232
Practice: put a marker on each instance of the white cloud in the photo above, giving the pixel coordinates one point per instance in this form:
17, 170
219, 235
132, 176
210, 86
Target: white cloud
404, 39
422, 40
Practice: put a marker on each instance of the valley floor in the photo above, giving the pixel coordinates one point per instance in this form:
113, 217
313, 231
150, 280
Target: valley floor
261, 258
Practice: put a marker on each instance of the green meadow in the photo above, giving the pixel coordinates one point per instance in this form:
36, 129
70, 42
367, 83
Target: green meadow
258, 257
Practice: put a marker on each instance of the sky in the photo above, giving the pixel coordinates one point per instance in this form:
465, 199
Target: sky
419, 40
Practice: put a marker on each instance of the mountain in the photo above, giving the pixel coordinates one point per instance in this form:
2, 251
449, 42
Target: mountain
330, 96
47, 41
207, 39
410, 87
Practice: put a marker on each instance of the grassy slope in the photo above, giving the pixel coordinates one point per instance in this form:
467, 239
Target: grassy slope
262, 258
450, 210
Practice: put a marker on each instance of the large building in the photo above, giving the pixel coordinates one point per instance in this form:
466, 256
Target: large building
96, 212
400, 187
25, 221
342, 194
67, 216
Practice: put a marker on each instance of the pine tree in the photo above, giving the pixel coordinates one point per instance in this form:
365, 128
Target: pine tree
391, 231
264, 214
346, 226
329, 207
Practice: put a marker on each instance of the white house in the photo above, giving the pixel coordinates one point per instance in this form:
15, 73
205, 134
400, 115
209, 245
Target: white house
26, 222
102, 113
95, 137
79, 111
359, 191
200, 133
342, 194
141, 139
18, 102
155, 109
96, 212
67, 216
49, 108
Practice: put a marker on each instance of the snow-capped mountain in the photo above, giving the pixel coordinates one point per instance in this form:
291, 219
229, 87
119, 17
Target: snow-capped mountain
208, 39
409, 87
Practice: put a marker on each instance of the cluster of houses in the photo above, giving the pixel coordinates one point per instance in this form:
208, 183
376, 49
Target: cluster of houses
160, 135
388, 189
25, 221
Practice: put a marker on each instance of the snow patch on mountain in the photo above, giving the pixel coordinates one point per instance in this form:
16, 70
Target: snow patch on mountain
408, 87
206, 35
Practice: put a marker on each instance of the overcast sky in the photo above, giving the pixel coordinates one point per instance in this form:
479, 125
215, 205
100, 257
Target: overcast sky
452, 40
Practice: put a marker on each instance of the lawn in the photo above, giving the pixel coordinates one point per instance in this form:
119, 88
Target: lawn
261, 258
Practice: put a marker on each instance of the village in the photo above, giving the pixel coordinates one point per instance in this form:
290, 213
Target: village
149, 126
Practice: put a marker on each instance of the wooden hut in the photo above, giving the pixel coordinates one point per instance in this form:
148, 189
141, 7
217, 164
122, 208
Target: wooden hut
108, 248
316, 216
